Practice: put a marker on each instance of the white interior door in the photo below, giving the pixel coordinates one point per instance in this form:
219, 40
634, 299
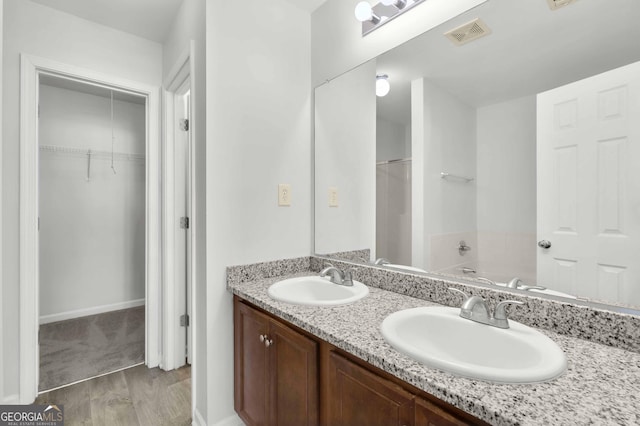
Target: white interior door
589, 186
181, 229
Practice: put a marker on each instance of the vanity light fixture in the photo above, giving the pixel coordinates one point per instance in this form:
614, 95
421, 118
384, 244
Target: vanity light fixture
373, 17
382, 85
364, 13
399, 4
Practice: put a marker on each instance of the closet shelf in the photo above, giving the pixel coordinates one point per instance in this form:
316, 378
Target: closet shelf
82, 153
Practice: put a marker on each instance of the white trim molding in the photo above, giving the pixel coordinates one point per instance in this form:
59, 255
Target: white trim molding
233, 420
173, 294
31, 68
78, 313
11, 399
2, 372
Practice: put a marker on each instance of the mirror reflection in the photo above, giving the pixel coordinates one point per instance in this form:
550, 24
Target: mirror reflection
506, 154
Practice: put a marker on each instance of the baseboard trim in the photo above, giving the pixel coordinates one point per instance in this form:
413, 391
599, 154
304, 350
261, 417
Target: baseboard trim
233, 420
198, 420
46, 319
11, 400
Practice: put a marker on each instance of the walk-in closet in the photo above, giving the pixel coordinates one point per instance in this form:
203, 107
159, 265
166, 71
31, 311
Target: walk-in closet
91, 196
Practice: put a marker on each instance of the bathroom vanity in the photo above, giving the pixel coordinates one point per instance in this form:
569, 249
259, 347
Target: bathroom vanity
286, 376
331, 365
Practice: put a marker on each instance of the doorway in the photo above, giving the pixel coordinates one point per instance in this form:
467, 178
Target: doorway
91, 210
32, 70
179, 221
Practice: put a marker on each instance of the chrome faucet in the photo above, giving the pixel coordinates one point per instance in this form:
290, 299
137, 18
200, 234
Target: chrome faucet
486, 280
518, 284
337, 276
381, 261
475, 308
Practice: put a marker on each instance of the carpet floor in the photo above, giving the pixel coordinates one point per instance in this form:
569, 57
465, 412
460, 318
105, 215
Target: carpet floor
80, 348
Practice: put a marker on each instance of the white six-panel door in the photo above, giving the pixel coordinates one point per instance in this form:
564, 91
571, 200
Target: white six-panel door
589, 186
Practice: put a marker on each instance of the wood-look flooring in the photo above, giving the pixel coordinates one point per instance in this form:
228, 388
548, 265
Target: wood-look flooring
135, 396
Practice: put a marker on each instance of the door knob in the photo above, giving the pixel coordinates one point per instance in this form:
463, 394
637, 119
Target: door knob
544, 244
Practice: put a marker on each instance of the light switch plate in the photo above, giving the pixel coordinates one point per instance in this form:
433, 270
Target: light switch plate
284, 194
333, 197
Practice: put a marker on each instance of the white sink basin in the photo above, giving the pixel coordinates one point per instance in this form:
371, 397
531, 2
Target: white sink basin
439, 338
316, 291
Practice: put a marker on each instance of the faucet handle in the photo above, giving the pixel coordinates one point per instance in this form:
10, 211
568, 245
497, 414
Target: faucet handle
499, 313
460, 292
348, 273
347, 278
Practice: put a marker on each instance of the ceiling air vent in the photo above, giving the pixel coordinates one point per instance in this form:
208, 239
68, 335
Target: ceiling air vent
468, 32
557, 4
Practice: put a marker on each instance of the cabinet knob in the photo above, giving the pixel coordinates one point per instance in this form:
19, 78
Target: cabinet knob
268, 342
263, 337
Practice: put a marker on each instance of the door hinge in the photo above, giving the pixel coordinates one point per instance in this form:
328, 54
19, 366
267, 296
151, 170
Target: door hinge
184, 320
184, 222
184, 124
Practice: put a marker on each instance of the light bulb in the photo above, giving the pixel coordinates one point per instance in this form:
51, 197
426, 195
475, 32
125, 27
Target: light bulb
363, 11
382, 85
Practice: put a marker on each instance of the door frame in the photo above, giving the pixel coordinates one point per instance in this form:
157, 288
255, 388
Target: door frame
180, 73
30, 69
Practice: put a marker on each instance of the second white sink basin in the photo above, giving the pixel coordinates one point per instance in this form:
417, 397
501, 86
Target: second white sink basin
439, 338
316, 291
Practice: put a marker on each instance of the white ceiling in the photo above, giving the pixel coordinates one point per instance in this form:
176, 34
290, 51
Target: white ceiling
150, 19
531, 49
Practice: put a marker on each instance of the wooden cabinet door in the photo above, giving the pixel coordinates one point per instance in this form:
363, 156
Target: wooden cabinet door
293, 361
358, 397
429, 414
251, 372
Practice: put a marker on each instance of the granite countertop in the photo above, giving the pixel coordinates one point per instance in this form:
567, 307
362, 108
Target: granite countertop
601, 385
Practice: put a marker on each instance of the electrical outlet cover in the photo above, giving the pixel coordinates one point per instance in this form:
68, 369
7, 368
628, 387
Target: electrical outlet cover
333, 197
284, 194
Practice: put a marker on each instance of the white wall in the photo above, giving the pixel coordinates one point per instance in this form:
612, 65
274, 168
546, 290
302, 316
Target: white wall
258, 135
507, 166
338, 45
506, 188
2, 394
74, 119
37, 30
189, 25
445, 141
92, 233
393, 140
345, 157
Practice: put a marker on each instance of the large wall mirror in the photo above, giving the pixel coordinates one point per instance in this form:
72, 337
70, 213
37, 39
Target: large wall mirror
512, 158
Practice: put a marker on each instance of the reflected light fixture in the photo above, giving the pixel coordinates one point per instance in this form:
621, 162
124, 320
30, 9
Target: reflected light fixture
399, 4
364, 13
373, 17
382, 85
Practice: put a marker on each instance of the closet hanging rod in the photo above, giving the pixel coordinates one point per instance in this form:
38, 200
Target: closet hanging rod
82, 153
445, 175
